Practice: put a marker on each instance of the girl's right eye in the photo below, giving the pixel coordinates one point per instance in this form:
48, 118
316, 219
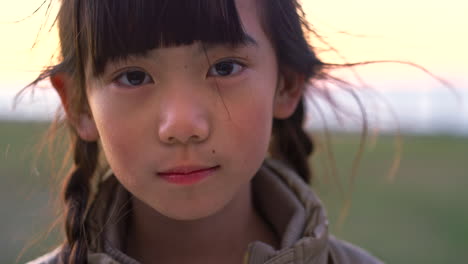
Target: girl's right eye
133, 78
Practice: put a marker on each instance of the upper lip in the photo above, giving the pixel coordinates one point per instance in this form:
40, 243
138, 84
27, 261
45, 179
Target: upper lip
186, 169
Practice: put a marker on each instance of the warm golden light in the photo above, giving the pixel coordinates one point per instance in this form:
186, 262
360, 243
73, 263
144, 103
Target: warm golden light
431, 33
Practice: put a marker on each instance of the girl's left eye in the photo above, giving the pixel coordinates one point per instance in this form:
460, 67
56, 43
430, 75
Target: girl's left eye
225, 68
134, 78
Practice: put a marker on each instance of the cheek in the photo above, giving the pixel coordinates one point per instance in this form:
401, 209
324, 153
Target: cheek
120, 137
251, 115
253, 130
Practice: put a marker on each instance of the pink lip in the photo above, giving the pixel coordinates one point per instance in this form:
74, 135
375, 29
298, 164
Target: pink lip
186, 175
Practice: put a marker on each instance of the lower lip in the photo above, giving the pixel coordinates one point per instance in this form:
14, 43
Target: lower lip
189, 178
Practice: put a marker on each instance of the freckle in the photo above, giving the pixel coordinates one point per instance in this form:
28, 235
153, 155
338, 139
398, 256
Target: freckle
213, 151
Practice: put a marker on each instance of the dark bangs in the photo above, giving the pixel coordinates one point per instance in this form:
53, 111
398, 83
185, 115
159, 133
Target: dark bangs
114, 29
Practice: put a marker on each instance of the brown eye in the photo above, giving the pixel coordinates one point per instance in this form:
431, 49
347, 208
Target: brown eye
225, 68
134, 78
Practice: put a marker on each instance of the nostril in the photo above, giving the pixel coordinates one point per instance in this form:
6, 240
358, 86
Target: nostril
183, 130
193, 138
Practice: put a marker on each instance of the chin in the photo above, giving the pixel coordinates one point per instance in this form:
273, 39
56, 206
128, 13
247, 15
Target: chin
192, 211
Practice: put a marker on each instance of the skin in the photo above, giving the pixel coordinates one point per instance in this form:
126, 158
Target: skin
185, 114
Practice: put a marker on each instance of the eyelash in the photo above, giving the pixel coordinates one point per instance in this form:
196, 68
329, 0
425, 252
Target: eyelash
147, 78
234, 62
237, 68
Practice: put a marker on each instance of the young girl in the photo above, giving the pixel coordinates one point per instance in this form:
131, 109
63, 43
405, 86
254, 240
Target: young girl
173, 108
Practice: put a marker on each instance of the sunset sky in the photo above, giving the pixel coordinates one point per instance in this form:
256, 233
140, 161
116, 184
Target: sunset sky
432, 33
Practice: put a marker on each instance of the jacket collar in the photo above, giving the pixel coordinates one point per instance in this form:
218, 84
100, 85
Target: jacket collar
281, 196
295, 213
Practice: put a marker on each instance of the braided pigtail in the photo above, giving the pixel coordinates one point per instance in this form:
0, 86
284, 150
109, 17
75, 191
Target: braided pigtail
292, 144
76, 195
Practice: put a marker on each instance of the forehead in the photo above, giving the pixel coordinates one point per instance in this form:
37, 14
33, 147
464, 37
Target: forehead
250, 20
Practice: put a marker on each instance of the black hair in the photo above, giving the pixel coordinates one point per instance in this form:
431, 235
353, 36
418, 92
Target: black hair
93, 33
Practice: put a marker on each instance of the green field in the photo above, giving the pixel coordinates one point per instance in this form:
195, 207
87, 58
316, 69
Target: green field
419, 217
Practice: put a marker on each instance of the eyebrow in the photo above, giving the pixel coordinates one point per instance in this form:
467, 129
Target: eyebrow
247, 40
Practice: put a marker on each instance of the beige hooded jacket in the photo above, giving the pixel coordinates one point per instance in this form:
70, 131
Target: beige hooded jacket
283, 198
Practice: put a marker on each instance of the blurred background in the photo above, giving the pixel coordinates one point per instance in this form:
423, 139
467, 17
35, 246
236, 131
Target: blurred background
417, 122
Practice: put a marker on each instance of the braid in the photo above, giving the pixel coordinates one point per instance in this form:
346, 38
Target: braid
291, 143
76, 195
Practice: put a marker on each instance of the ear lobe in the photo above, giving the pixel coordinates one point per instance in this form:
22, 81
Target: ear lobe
289, 92
86, 128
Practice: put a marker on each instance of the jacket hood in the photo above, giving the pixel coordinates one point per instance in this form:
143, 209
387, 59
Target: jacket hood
296, 214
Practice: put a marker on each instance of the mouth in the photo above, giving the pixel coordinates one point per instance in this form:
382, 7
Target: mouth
187, 175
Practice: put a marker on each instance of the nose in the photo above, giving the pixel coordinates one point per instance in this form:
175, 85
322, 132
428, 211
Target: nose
184, 124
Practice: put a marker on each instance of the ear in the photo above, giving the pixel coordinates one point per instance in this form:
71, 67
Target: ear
86, 128
60, 81
82, 122
288, 93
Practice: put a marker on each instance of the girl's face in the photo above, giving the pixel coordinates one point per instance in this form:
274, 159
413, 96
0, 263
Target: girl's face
186, 108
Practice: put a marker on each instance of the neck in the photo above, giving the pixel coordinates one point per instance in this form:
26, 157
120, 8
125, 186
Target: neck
219, 238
